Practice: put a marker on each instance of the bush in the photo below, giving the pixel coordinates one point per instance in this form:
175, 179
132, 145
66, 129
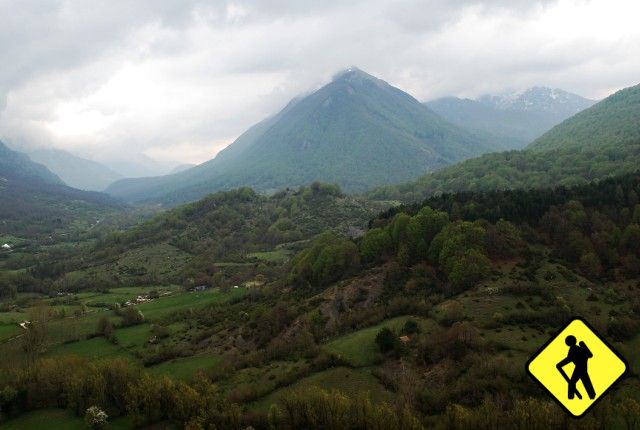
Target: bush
105, 327
386, 340
131, 316
622, 328
95, 418
411, 327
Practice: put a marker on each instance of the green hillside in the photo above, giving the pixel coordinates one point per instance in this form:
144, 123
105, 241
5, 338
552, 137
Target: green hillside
601, 141
614, 122
227, 237
357, 132
436, 308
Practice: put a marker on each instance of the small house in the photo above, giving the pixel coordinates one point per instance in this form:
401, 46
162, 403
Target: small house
6, 246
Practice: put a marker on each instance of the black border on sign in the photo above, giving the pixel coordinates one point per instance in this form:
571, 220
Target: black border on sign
551, 339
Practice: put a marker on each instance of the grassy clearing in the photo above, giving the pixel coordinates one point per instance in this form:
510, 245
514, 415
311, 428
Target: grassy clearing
359, 348
62, 330
8, 331
165, 305
278, 255
95, 348
72, 327
266, 377
119, 295
353, 382
61, 419
185, 368
50, 419
12, 317
133, 336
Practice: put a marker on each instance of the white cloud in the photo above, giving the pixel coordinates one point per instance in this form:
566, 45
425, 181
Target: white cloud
178, 80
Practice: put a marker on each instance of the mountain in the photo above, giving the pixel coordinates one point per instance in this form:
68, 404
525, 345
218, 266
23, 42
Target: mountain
514, 119
75, 171
34, 201
598, 142
539, 100
16, 166
137, 165
182, 167
357, 131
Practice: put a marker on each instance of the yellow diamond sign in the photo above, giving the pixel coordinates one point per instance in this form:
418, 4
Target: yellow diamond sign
577, 367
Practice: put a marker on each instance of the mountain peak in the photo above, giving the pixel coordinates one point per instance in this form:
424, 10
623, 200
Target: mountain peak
354, 75
357, 132
539, 99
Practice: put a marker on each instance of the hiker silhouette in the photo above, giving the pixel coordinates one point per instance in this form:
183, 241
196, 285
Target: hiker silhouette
578, 355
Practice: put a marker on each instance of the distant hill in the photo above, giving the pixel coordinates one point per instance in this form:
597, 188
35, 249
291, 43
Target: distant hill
16, 166
136, 165
34, 201
75, 171
357, 131
515, 119
182, 167
240, 226
598, 142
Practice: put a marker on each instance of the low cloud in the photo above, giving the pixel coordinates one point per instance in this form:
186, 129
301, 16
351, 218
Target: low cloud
178, 80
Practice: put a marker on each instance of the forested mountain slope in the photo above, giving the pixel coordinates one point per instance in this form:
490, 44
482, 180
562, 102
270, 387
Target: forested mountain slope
601, 141
357, 132
228, 231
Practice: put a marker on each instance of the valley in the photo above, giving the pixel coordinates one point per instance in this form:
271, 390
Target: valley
285, 315
207, 222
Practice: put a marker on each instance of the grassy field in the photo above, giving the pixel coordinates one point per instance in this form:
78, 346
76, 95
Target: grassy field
279, 255
165, 305
8, 330
68, 335
353, 382
133, 336
185, 368
359, 348
50, 419
61, 419
12, 317
95, 348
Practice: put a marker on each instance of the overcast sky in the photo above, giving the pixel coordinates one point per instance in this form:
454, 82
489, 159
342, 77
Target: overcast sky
178, 80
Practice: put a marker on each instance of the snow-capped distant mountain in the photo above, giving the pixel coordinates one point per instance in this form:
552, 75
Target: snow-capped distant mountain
514, 119
539, 99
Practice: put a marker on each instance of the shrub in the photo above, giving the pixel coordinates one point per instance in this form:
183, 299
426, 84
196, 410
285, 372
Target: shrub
95, 418
410, 327
622, 328
131, 316
386, 340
